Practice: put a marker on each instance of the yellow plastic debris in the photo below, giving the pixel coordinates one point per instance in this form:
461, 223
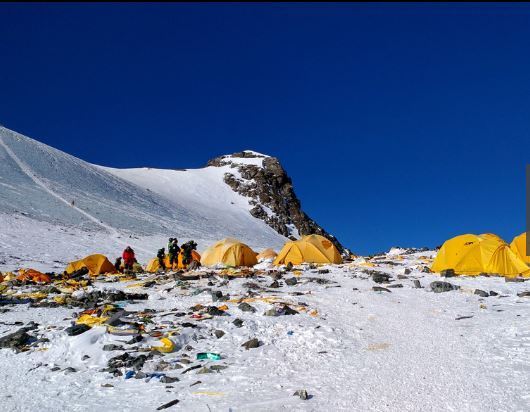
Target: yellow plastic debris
61, 300
167, 346
91, 320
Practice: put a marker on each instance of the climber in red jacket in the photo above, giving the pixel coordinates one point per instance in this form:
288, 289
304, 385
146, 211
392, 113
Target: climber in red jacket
128, 258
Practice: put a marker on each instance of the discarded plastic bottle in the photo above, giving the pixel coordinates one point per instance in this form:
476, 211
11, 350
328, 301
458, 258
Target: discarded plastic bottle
208, 355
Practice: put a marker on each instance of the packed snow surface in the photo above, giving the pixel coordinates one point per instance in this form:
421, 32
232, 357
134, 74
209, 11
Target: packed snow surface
349, 347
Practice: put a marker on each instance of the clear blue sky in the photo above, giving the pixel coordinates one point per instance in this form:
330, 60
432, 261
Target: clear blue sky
399, 124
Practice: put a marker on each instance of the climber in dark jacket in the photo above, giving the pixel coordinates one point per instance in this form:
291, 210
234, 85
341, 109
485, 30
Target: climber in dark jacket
187, 249
173, 251
161, 256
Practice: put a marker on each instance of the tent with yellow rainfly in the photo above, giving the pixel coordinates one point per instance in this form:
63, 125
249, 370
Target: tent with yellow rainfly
518, 247
229, 252
96, 265
154, 266
473, 255
308, 249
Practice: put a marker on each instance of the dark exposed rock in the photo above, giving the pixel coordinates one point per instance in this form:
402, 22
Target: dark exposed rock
238, 323
16, 340
439, 286
127, 361
218, 368
291, 281
214, 311
168, 379
168, 405
395, 285
252, 343
218, 296
493, 293
302, 393
287, 310
111, 347
417, 284
509, 279
77, 329
481, 293
406, 271
448, 273
191, 368
524, 294
274, 284
245, 307
380, 289
379, 277
219, 333
269, 186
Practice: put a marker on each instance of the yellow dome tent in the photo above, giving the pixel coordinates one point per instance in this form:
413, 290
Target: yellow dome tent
475, 254
229, 252
266, 254
154, 266
309, 249
96, 265
518, 246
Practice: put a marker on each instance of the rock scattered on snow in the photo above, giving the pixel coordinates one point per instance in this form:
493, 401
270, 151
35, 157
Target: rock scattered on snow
252, 343
439, 286
291, 281
168, 405
77, 329
448, 273
238, 323
302, 394
219, 333
245, 307
380, 277
380, 289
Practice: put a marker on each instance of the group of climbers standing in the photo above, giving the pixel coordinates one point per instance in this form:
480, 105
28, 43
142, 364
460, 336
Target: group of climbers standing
126, 262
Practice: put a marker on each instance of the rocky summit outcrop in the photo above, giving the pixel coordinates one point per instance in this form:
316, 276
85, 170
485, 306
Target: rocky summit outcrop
262, 179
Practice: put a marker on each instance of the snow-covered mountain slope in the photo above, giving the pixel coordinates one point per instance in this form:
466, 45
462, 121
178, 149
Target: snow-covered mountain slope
52, 192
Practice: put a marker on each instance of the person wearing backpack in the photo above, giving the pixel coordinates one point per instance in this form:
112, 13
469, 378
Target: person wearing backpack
128, 259
173, 251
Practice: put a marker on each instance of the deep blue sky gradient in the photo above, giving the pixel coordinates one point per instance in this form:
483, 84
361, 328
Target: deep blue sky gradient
399, 124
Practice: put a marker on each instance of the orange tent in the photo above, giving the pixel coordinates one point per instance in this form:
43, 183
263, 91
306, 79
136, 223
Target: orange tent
32, 275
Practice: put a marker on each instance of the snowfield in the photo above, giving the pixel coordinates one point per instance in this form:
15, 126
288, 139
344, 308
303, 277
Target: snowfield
55, 208
349, 347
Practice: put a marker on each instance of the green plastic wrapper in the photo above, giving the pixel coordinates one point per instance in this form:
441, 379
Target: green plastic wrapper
208, 355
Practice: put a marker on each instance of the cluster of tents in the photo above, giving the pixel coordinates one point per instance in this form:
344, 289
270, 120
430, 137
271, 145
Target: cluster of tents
230, 253
467, 254
474, 255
